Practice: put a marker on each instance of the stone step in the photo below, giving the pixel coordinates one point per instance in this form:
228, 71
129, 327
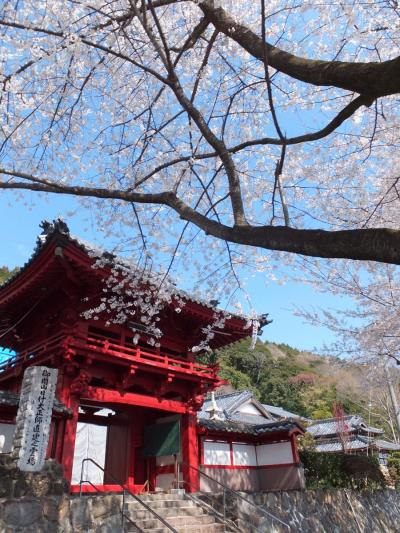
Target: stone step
154, 496
185, 515
209, 528
159, 504
141, 514
177, 521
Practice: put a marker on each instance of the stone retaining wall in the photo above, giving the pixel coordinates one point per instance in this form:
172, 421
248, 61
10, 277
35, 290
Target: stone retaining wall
89, 514
39, 503
322, 511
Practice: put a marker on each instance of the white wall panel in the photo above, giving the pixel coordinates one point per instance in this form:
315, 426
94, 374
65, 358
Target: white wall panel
244, 455
217, 453
275, 454
7, 430
90, 442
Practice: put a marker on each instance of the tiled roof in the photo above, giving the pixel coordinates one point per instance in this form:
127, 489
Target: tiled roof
329, 426
237, 422
11, 399
61, 228
282, 413
247, 418
231, 426
229, 404
386, 445
231, 401
336, 446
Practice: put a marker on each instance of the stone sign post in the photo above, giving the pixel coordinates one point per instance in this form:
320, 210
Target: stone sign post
34, 417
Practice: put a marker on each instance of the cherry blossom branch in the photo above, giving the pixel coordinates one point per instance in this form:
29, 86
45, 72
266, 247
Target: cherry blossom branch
375, 244
373, 79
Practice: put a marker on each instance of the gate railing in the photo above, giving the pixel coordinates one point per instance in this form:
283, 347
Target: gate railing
125, 489
222, 513
41, 351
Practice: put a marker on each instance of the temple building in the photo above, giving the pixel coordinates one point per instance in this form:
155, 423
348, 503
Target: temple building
134, 405
246, 446
350, 434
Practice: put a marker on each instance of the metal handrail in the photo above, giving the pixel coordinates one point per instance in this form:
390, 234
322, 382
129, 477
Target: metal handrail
210, 508
124, 489
238, 495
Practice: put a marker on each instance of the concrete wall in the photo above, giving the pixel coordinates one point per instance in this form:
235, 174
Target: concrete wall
290, 477
236, 479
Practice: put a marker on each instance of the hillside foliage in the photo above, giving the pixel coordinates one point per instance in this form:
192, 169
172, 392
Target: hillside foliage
301, 382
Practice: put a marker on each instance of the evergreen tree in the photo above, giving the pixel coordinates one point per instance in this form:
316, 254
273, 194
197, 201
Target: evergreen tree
5, 273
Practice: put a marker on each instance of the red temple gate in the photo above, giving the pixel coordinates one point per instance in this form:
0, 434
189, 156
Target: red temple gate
100, 366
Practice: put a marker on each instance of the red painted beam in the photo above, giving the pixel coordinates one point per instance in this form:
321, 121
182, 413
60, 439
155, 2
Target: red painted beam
136, 489
108, 396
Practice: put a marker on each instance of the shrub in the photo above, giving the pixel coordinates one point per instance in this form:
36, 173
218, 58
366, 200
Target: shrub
393, 464
341, 471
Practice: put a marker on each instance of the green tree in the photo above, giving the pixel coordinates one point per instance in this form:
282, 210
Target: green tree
269, 378
287, 380
5, 273
394, 467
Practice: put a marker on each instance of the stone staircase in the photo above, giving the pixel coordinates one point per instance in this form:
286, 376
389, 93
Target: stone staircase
177, 509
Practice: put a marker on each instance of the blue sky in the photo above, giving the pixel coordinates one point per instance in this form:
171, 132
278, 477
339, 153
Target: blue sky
19, 226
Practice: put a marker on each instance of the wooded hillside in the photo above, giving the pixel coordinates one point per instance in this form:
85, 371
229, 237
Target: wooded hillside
306, 383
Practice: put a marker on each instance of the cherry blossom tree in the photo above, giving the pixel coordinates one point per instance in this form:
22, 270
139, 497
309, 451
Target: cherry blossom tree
368, 332
219, 123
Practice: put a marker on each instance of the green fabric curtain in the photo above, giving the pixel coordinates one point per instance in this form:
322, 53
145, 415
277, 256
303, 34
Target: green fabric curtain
162, 439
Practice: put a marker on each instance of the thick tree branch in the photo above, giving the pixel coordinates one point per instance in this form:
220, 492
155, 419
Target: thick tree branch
219, 147
373, 244
373, 79
341, 117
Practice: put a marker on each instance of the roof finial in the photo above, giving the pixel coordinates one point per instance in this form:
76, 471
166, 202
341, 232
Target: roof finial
58, 224
214, 410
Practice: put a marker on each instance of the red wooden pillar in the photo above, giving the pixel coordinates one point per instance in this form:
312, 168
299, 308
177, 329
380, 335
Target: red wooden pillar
151, 466
67, 455
295, 451
70, 396
58, 440
190, 453
130, 481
